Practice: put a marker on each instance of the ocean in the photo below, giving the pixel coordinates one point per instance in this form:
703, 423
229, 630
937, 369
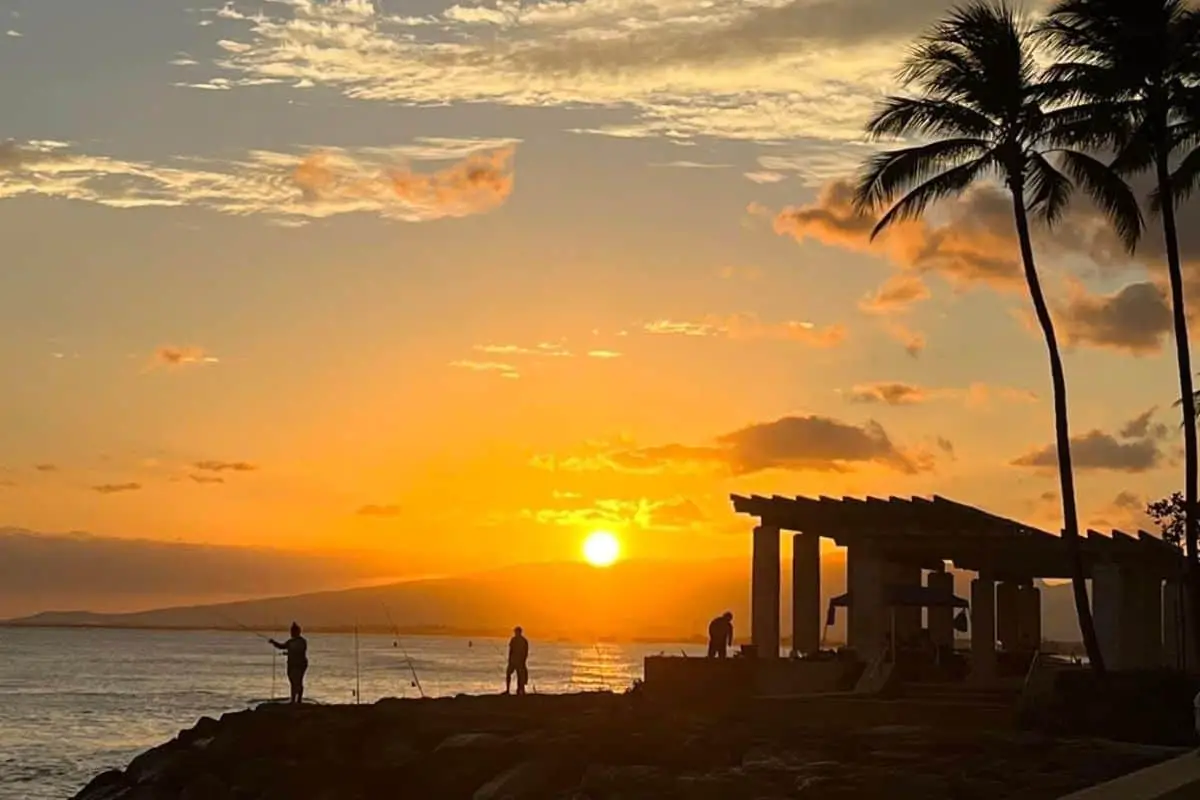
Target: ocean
74, 702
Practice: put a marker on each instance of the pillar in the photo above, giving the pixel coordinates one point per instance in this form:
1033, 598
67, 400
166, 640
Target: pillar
1109, 603
983, 630
908, 618
764, 592
941, 618
868, 617
1146, 633
806, 593
1029, 618
1172, 624
1007, 625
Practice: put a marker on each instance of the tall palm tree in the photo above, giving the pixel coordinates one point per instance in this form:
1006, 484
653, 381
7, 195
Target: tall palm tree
977, 106
1129, 73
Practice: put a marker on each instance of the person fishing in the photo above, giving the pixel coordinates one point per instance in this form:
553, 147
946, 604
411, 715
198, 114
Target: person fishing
297, 662
720, 635
518, 656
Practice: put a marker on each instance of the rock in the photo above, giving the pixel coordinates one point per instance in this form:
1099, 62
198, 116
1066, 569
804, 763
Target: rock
109, 785
524, 780
205, 787
470, 741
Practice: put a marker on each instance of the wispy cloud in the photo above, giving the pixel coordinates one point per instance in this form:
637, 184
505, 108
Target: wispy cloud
546, 349
46, 467
750, 327
116, 488
673, 69
603, 354
498, 367
224, 466
171, 356
293, 188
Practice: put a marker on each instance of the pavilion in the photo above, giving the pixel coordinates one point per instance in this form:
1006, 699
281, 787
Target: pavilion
1136, 580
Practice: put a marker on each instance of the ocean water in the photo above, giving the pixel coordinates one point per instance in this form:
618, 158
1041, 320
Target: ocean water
74, 702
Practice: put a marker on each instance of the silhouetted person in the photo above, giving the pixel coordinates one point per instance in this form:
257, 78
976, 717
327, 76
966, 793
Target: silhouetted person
297, 662
720, 635
518, 656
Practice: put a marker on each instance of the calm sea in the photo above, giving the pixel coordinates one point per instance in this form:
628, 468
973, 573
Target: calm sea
76, 702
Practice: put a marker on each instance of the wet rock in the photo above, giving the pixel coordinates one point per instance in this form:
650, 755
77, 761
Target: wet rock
471, 741
205, 787
527, 779
110, 785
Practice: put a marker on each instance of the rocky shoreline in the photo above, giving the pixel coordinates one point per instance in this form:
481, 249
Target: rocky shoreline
597, 747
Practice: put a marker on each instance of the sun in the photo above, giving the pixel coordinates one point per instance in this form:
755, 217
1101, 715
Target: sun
600, 549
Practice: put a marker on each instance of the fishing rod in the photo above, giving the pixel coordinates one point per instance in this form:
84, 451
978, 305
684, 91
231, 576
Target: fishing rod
229, 618
396, 630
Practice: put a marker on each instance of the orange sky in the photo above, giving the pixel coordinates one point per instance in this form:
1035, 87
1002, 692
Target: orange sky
397, 301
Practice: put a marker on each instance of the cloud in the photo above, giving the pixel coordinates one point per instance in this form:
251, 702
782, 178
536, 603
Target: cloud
675, 70
170, 356
913, 341
1136, 448
46, 467
499, 367
893, 394
749, 327
224, 466
552, 349
605, 354
795, 443
291, 188
1126, 511
206, 479
765, 176
896, 294
387, 510
115, 488
731, 272
1135, 319
572, 510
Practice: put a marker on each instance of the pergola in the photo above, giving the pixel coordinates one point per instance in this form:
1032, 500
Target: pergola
890, 541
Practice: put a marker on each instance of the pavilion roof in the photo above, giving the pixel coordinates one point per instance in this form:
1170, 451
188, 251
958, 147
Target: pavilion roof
933, 530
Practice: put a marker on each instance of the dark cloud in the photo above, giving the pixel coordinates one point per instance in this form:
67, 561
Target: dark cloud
379, 511
677, 513
893, 394
46, 467
807, 443
896, 294
116, 488
1129, 501
207, 479
1135, 448
1134, 319
224, 466
945, 445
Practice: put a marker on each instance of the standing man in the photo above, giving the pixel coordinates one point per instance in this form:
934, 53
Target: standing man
297, 662
720, 635
518, 656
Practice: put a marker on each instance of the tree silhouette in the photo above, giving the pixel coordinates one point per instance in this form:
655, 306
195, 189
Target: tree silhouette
1129, 72
978, 104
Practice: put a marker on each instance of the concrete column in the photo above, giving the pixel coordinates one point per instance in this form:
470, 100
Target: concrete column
983, 630
806, 593
1151, 625
941, 619
1109, 602
1007, 615
1029, 618
908, 618
869, 621
1172, 624
764, 592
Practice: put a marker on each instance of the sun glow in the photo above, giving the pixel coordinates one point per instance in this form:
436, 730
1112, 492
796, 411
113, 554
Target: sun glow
600, 549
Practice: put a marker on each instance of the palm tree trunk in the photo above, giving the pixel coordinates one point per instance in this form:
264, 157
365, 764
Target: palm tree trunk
1062, 436
1187, 399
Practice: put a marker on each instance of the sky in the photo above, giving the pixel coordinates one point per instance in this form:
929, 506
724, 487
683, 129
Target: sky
457, 284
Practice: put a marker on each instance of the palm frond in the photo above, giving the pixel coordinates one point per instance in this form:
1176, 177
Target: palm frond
1048, 189
1183, 181
886, 175
1108, 191
947, 184
926, 117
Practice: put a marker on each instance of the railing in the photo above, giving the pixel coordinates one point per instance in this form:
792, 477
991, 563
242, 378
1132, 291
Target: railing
1033, 665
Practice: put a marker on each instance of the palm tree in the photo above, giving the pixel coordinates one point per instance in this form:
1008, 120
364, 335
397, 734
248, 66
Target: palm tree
1129, 74
977, 107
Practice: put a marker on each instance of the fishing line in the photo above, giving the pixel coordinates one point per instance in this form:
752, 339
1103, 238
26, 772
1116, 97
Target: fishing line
396, 630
